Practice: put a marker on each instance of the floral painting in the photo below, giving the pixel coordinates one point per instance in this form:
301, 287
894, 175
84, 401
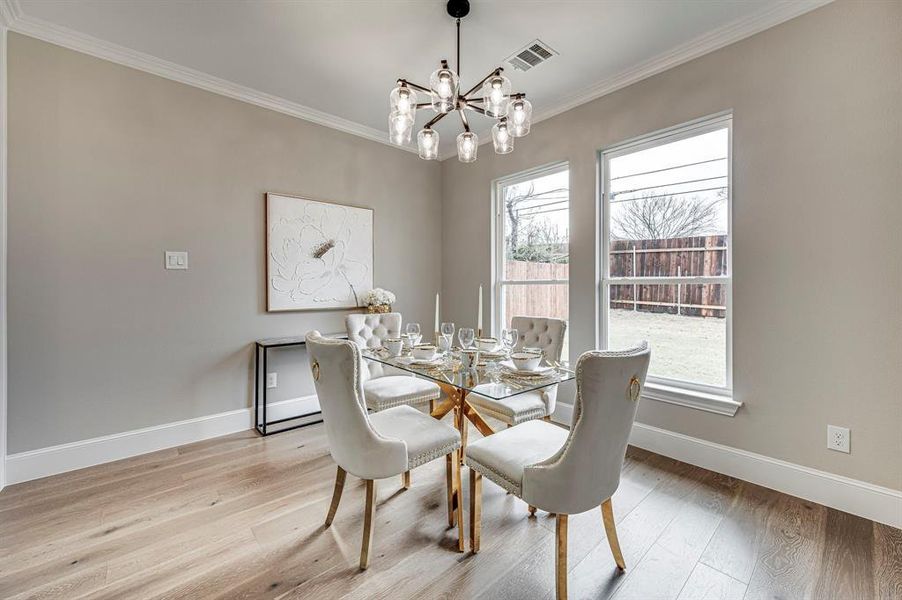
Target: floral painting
319, 255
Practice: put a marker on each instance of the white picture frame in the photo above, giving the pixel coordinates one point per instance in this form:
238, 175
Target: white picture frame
319, 255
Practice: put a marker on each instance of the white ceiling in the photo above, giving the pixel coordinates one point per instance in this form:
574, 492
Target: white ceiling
343, 57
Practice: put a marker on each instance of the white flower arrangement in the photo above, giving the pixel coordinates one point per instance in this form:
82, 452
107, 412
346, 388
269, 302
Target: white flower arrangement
378, 297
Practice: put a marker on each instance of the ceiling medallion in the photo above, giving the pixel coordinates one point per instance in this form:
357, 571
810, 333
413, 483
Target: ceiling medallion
490, 97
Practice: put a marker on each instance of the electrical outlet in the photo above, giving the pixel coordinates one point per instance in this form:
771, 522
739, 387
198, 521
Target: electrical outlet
272, 380
838, 438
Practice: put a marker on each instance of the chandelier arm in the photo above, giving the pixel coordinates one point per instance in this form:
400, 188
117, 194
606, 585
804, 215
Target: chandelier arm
463, 119
476, 109
434, 120
497, 71
414, 86
481, 100
423, 104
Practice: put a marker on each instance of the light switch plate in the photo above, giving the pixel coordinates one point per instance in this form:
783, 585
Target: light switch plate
176, 260
272, 380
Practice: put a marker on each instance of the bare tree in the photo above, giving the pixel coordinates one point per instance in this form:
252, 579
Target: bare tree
656, 217
514, 199
541, 242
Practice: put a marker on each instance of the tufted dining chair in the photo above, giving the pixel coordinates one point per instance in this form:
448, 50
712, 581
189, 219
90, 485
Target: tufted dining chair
564, 472
534, 332
383, 386
378, 445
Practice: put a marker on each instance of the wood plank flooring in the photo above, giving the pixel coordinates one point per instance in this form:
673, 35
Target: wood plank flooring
242, 517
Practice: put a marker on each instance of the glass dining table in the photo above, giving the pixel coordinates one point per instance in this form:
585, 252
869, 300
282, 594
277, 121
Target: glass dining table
490, 377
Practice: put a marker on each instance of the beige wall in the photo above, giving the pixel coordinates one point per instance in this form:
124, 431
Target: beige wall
817, 144
109, 167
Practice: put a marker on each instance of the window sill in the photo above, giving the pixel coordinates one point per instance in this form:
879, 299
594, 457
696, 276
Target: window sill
713, 403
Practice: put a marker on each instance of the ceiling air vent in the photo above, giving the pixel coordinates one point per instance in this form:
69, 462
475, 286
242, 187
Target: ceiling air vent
532, 55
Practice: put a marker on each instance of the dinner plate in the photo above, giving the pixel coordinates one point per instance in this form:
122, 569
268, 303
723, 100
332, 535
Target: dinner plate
409, 360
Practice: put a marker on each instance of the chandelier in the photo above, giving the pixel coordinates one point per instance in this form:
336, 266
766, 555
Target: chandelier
491, 97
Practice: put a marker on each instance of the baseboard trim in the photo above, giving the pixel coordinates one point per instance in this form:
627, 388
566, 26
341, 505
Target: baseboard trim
867, 500
870, 501
43, 462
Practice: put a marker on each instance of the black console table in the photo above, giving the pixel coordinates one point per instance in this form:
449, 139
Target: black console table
261, 352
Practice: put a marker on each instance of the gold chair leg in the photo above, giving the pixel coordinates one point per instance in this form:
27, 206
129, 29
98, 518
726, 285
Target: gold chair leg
336, 495
532, 510
369, 522
560, 563
405, 480
449, 480
475, 509
547, 418
463, 435
458, 500
610, 529
431, 406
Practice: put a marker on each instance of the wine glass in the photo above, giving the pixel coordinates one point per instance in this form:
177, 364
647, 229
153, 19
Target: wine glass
465, 335
446, 340
509, 338
413, 333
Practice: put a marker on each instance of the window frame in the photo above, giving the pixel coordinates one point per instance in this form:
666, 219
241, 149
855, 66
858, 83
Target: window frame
498, 282
684, 393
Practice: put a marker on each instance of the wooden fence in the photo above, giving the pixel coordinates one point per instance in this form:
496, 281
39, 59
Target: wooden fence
537, 300
702, 256
688, 257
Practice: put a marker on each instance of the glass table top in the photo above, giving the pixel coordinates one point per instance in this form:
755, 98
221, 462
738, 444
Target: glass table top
489, 378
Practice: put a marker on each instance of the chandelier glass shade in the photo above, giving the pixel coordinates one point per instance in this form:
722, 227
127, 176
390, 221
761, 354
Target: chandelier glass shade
467, 146
491, 97
520, 117
502, 138
403, 101
496, 96
427, 144
400, 128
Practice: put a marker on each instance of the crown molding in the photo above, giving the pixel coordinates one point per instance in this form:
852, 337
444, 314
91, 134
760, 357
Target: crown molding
9, 12
716, 39
68, 38
11, 16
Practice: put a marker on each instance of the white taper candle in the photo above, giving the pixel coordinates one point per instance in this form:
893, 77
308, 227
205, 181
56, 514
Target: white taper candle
479, 314
436, 313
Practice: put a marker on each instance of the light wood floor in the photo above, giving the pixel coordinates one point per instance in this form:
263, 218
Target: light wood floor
242, 517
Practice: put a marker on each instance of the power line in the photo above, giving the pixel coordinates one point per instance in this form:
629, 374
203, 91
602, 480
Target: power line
701, 162
543, 205
723, 187
545, 211
651, 187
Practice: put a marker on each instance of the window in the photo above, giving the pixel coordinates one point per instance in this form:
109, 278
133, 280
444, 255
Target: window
666, 204
532, 246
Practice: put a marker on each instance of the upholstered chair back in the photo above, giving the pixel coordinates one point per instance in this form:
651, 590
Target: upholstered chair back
586, 471
353, 443
541, 332
369, 331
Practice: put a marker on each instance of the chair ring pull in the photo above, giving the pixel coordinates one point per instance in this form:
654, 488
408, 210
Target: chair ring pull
315, 368
635, 389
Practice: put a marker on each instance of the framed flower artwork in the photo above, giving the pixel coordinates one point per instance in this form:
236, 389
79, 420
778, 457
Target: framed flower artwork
319, 255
